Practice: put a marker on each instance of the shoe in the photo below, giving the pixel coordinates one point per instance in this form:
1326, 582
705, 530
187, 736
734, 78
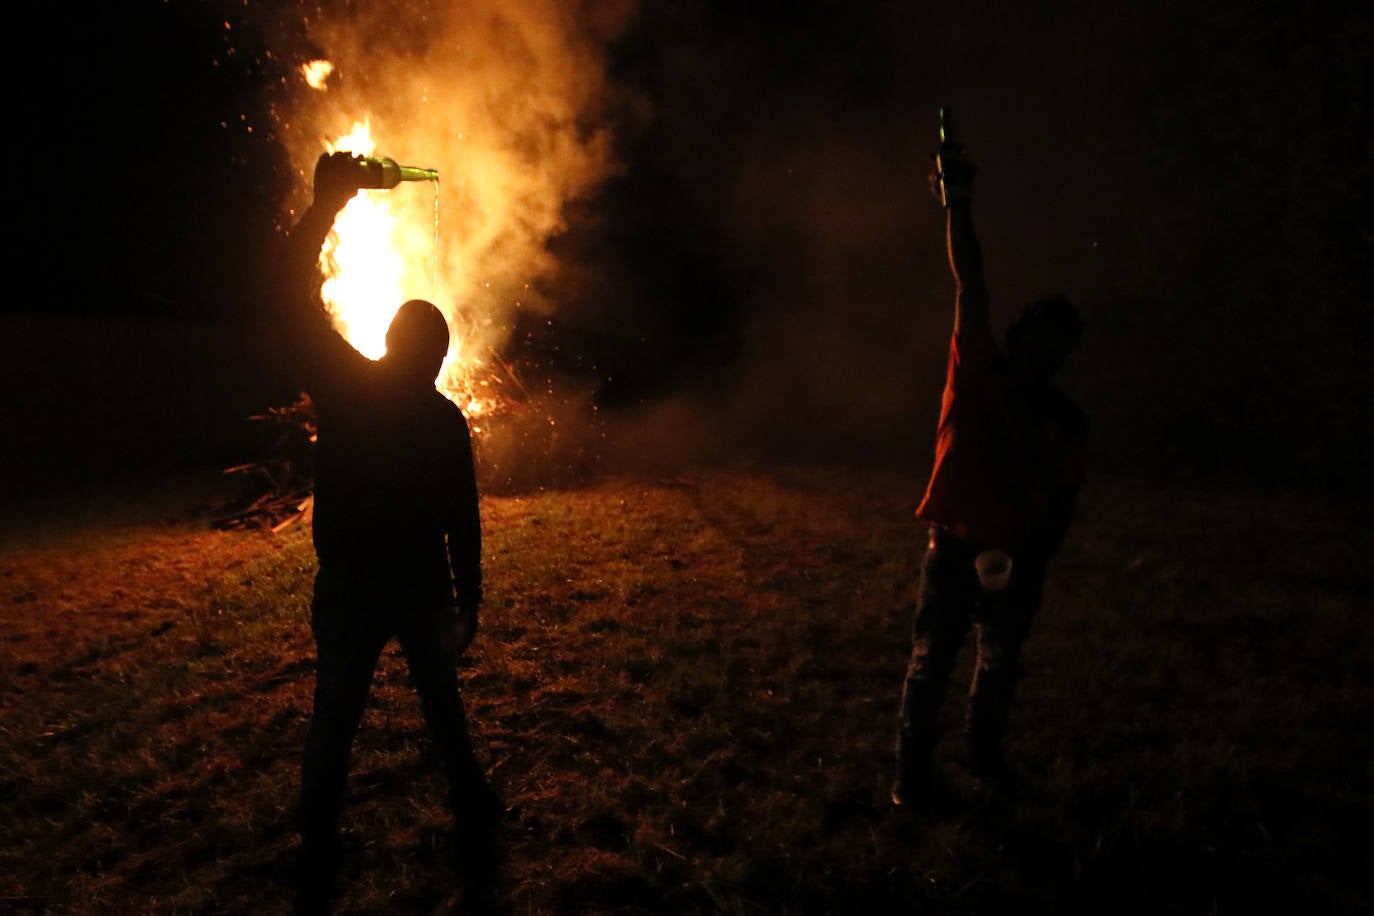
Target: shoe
485, 805
912, 789
309, 903
316, 882
989, 766
479, 809
999, 780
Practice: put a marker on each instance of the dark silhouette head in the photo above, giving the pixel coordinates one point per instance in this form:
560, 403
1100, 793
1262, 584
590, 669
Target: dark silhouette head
416, 342
1042, 337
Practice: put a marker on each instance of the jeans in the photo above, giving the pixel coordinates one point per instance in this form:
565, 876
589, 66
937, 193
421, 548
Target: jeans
352, 626
950, 599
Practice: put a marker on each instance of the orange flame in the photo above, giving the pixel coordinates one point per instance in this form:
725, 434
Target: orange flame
316, 72
371, 264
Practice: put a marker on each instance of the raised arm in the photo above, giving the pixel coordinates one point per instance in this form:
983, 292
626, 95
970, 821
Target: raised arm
316, 343
336, 181
954, 174
966, 262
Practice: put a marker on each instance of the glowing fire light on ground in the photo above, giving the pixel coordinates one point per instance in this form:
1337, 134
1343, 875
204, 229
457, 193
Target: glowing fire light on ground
370, 269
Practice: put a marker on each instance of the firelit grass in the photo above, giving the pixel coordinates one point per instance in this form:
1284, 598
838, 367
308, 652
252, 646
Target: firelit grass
689, 686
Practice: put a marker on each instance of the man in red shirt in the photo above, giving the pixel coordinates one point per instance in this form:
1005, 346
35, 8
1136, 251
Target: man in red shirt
1009, 460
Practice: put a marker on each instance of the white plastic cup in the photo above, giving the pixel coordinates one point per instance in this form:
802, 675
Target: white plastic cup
994, 569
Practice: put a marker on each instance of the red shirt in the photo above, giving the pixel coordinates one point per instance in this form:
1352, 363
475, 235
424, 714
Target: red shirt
1006, 458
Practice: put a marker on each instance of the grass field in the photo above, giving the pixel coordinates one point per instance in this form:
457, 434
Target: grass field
689, 687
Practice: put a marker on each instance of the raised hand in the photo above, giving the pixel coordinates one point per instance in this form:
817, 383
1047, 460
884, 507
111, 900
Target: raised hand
338, 176
952, 179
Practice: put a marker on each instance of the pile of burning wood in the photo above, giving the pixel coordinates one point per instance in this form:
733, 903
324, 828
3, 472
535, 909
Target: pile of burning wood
278, 490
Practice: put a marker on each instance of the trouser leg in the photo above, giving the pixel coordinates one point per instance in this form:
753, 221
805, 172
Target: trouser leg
434, 673
1003, 622
346, 657
944, 610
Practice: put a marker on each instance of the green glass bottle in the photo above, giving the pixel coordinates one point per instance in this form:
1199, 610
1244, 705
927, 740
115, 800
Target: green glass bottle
385, 172
951, 153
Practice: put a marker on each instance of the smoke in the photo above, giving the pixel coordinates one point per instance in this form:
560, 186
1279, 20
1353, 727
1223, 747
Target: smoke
844, 310
507, 100
739, 268
733, 234
777, 237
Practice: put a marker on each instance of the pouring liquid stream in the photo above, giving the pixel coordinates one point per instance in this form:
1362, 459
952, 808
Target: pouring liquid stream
434, 265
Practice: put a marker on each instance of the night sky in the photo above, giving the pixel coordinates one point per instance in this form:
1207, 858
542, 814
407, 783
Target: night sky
1194, 175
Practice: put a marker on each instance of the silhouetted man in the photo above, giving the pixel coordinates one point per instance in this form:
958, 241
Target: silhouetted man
1009, 459
397, 534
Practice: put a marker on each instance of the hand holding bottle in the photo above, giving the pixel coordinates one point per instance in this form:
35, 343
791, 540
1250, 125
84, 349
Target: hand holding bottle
952, 179
338, 176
